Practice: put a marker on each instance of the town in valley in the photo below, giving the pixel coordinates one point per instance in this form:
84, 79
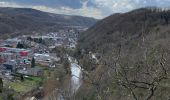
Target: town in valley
26, 61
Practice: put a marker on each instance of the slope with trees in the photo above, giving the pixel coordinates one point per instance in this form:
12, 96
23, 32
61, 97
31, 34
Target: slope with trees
134, 57
17, 21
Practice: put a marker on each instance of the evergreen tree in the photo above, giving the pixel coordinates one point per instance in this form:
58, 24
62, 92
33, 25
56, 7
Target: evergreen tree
22, 77
40, 40
29, 38
33, 63
19, 45
1, 85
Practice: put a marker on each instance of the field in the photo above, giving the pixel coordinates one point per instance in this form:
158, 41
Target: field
31, 82
26, 85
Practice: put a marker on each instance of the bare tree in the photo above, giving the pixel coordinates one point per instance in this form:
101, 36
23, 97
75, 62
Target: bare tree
147, 76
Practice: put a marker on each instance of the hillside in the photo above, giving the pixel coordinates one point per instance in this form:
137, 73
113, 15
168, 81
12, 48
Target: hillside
133, 51
26, 20
130, 25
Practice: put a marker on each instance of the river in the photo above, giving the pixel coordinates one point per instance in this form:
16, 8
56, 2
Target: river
76, 77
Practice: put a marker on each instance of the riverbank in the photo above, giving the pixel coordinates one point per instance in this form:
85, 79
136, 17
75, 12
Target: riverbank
53, 80
72, 83
58, 85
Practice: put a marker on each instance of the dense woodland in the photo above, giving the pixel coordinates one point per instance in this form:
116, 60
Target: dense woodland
134, 59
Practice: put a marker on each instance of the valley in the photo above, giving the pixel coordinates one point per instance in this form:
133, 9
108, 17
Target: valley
124, 56
38, 66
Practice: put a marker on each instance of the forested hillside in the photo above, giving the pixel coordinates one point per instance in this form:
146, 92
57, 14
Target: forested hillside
133, 56
26, 20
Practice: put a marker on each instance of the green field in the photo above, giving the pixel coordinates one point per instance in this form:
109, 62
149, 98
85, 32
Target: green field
27, 84
31, 82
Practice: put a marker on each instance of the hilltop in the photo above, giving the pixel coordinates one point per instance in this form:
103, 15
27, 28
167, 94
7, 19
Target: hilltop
129, 26
27, 20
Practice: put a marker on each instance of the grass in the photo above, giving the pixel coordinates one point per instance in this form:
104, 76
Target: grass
31, 82
27, 84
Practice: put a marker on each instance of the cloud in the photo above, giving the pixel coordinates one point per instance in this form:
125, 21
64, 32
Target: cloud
113, 6
7, 4
83, 11
89, 8
50, 3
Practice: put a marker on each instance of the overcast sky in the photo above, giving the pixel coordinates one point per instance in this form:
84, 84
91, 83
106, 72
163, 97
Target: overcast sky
89, 8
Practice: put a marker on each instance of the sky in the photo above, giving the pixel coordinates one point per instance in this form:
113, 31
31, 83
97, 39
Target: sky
89, 8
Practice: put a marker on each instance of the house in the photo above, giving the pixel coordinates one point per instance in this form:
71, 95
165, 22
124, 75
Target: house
19, 55
31, 71
3, 49
12, 42
4, 57
35, 71
42, 57
10, 65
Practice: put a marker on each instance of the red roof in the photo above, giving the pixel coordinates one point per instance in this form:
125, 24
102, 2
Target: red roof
1, 60
2, 49
23, 53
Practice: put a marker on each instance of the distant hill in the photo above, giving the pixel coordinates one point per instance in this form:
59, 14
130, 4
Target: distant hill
26, 20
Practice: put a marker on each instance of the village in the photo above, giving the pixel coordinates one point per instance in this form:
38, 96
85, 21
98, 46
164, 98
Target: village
29, 58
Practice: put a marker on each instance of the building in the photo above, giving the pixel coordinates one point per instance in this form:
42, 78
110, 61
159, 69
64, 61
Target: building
22, 57
12, 42
31, 71
4, 57
35, 71
10, 65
